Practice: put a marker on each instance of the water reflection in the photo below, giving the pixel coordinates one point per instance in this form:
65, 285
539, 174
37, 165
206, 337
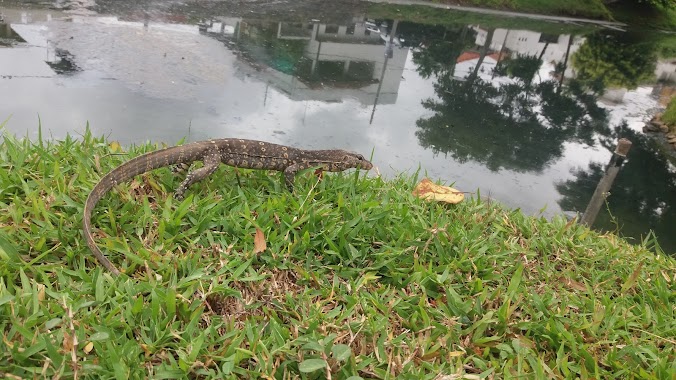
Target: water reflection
518, 123
315, 61
643, 195
525, 115
614, 60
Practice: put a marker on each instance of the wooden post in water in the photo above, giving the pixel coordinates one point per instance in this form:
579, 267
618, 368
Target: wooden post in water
601, 192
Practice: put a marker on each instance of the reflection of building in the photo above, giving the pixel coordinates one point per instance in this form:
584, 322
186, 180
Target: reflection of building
36, 55
553, 49
312, 61
528, 43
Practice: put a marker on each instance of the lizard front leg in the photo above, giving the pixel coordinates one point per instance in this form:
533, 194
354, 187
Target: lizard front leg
211, 162
290, 173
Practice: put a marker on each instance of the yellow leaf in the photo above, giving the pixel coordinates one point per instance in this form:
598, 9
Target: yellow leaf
259, 241
427, 189
88, 347
115, 147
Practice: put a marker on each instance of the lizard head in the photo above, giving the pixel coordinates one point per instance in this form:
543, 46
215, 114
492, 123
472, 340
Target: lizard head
353, 160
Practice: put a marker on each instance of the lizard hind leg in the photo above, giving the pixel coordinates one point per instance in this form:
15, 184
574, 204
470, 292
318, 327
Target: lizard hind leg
180, 168
211, 163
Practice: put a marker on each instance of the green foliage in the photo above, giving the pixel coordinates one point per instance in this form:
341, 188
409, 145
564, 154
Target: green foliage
442, 46
641, 15
359, 278
666, 4
522, 66
614, 60
669, 116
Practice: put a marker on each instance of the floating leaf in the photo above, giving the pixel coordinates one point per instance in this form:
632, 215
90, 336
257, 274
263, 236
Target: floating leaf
427, 189
259, 241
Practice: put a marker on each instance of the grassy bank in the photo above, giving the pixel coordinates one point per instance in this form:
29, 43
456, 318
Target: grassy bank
422, 14
577, 8
640, 16
634, 14
669, 116
358, 278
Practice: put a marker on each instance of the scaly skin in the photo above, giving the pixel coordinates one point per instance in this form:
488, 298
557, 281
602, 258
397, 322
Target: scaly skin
249, 154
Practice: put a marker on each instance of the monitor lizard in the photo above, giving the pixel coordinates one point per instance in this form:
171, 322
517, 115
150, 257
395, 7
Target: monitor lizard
239, 153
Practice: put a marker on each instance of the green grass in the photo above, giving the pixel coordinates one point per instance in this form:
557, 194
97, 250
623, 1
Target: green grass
359, 279
669, 115
576, 8
640, 16
634, 14
434, 16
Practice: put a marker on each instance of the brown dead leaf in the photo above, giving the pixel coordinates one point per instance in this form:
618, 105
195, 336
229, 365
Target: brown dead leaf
572, 284
631, 281
67, 341
41, 292
147, 351
427, 189
259, 242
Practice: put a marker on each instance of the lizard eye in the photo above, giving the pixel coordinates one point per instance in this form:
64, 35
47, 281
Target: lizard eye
360, 157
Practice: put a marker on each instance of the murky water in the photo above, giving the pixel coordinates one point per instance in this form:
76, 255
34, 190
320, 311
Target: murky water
528, 116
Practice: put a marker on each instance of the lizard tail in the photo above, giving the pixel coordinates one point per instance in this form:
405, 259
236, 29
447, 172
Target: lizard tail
138, 165
97, 193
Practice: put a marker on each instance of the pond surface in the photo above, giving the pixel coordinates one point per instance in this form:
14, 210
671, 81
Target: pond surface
527, 113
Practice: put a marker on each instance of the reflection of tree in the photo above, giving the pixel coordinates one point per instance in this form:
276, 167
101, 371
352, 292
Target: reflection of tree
497, 125
643, 194
439, 48
259, 41
467, 124
523, 67
614, 60
572, 109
